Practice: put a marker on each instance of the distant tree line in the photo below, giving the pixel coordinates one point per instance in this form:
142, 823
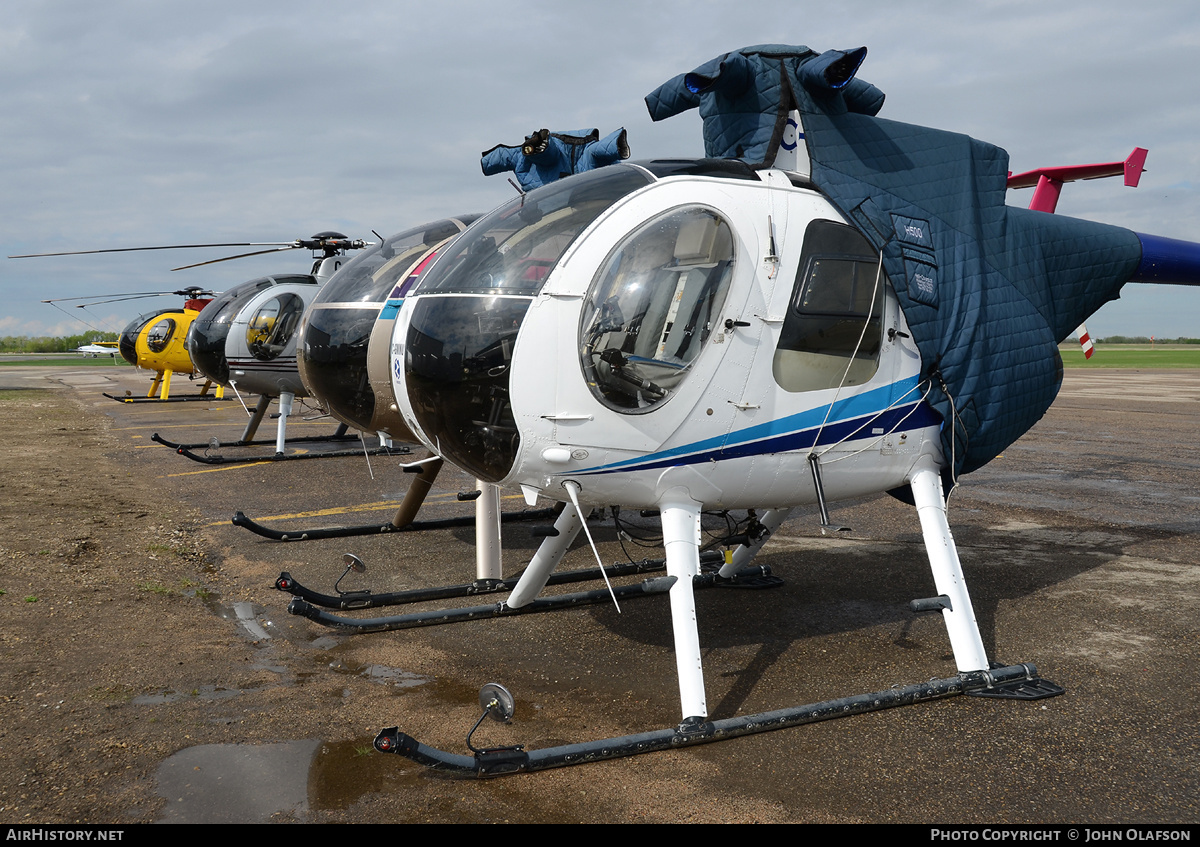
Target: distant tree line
46, 344
1142, 339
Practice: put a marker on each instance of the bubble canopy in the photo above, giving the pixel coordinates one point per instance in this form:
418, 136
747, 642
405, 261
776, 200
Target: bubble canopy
459, 347
370, 276
513, 249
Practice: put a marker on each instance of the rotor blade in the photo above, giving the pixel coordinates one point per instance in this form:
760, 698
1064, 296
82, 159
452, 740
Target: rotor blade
97, 317
123, 299
139, 249
239, 256
76, 317
93, 296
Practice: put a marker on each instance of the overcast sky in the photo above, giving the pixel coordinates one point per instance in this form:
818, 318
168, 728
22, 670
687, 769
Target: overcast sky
135, 123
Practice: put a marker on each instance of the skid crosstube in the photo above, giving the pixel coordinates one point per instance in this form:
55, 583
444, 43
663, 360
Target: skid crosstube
240, 519
510, 760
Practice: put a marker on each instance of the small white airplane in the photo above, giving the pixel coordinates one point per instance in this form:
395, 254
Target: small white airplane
97, 349
830, 306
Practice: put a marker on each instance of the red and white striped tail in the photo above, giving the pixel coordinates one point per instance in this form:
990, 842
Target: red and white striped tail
1085, 341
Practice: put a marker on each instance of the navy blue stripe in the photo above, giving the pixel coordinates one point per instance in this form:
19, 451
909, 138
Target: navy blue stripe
903, 419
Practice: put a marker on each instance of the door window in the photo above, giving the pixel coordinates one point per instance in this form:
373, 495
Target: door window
652, 306
834, 325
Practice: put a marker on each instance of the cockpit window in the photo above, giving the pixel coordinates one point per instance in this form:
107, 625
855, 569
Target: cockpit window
127, 343
514, 248
160, 334
652, 306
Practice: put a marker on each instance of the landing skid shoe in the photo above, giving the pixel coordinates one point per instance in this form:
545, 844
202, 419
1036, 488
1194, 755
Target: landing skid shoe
1032, 688
691, 732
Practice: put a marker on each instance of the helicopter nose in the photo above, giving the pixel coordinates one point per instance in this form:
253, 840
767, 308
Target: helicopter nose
206, 346
127, 343
457, 365
333, 360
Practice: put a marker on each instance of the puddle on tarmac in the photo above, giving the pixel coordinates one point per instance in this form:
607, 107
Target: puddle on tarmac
257, 783
255, 622
247, 615
235, 783
392, 677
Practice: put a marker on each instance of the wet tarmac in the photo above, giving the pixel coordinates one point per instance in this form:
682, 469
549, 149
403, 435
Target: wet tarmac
1081, 547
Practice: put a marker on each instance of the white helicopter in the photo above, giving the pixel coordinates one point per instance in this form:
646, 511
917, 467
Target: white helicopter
803, 317
345, 337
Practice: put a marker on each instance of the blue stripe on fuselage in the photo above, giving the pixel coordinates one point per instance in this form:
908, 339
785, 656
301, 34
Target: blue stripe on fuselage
796, 432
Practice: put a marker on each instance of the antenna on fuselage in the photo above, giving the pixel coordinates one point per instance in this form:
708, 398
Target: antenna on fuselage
572, 488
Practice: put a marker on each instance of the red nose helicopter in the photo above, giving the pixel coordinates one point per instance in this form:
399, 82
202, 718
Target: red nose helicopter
154, 341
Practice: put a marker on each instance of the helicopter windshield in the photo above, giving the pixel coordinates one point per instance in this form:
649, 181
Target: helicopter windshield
337, 330
370, 276
514, 248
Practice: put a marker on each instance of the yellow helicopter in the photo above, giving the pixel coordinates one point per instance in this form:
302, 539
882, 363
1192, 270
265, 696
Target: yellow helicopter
154, 341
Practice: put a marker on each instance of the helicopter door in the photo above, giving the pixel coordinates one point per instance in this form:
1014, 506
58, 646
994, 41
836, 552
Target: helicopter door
654, 305
273, 326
